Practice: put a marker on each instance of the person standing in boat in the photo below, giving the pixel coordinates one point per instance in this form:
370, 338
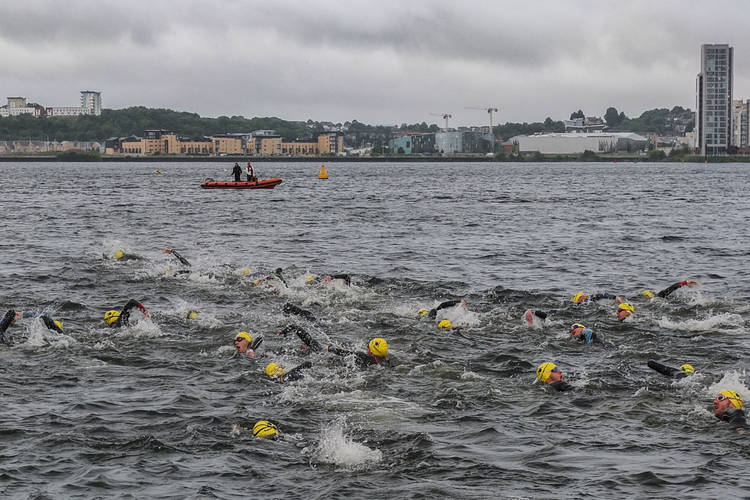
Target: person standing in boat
237, 171
251, 173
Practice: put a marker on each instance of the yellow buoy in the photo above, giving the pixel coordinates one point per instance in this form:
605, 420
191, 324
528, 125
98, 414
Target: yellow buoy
322, 174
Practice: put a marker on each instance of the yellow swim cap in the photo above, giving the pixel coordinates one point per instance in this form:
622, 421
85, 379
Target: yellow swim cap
309, 278
111, 316
422, 312
626, 307
687, 368
648, 294
578, 298
192, 314
246, 271
59, 324
735, 398
378, 346
445, 324
576, 325
544, 370
265, 429
274, 370
119, 254
244, 335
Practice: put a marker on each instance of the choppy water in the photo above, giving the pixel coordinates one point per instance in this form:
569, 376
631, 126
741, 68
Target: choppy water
148, 411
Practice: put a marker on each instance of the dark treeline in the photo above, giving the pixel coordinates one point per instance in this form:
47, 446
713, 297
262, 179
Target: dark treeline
133, 121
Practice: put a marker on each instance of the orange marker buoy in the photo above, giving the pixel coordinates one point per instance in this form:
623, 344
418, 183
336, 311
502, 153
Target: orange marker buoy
323, 174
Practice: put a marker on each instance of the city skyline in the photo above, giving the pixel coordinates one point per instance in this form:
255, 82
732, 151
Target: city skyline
379, 63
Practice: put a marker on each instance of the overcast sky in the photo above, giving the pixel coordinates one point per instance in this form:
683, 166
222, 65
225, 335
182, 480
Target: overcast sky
379, 62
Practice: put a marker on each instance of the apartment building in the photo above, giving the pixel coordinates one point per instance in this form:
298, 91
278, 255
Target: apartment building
714, 99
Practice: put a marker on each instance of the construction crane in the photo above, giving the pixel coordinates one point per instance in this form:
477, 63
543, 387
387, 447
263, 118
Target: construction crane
489, 110
445, 117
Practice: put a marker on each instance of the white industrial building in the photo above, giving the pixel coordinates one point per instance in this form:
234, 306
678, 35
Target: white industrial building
576, 142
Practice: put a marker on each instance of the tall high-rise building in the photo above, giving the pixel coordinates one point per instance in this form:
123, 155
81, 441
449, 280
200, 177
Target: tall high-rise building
91, 101
740, 114
714, 99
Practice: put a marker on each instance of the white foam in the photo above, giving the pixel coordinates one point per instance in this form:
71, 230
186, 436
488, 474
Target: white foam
732, 380
693, 325
335, 447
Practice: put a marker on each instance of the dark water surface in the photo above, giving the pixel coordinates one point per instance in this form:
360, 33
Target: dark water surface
148, 411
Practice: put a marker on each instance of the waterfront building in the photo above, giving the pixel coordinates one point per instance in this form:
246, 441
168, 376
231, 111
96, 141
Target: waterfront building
413, 143
462, 141
228, 144
740, 133
299, 147
91, 101
585, 125
331, 143
17, 106
578, 142
714, 99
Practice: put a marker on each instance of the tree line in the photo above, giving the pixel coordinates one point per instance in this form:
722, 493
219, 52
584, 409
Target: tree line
133, 121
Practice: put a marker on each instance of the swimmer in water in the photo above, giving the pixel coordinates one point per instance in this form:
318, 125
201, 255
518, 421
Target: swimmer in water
667, 291
172, 251
669, 371
115, 319
432, 313
728, 408
581, 297
245, 344
277, 372
290, 308
550, 374
11, 317
624, 310
377, 352
309, 344
580, 332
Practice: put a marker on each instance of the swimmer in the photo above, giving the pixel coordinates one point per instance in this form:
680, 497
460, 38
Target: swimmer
115, 319
549, 373
277, 276
580, 332
531, 315
11, 317
581, 297
377, 352
179, 257
343, 279
309, 344
277, 372
432, 313
728, 408
667, 291
624, 310
290, 308
668, 371
245, 344
265, 429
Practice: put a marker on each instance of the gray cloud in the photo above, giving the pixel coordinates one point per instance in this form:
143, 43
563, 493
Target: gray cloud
378, 62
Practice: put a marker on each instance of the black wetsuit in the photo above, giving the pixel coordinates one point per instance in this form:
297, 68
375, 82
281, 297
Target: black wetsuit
346, 277
667, 370
671, 289
295, 373
735, 417
10, 316
363, 359
237, 171
305, 337
290, 308
561, 386
448, 303
124, 318
4, 324
182, 259
602, 296
540, 314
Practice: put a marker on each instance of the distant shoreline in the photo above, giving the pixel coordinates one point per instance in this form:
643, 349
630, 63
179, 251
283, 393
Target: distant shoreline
372, 159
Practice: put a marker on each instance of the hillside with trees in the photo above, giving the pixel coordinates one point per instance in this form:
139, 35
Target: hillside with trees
133, 121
